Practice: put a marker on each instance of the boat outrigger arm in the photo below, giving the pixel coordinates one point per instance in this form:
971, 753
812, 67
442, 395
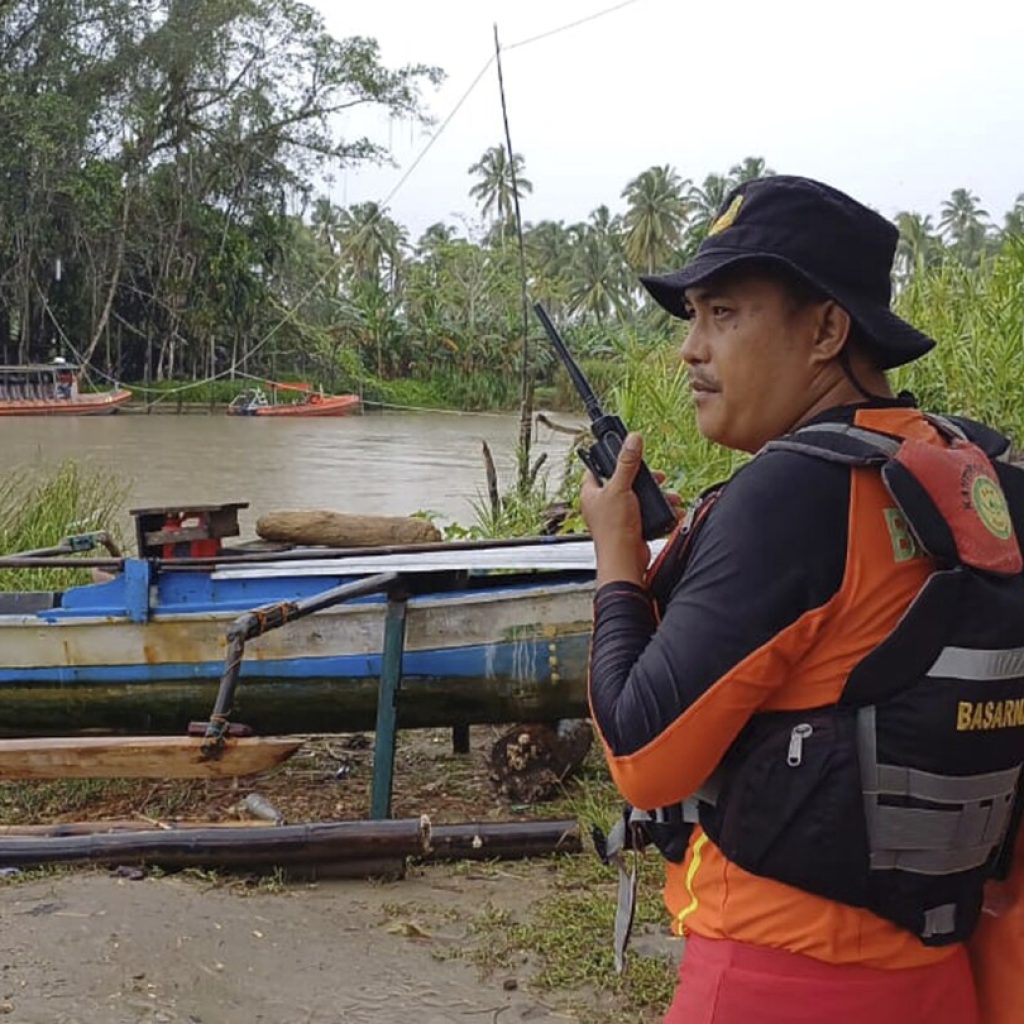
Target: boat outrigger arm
75, 543
261, 620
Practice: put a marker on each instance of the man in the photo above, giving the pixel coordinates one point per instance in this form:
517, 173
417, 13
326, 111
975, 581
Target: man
812, 662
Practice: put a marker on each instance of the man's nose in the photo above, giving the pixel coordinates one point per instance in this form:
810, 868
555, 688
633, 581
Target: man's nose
691, 350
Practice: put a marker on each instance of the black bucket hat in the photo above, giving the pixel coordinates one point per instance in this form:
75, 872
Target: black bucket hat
838, 245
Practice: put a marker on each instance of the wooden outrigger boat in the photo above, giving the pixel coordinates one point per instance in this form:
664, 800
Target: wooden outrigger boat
51, 389
311, 402
299, 641
144, 652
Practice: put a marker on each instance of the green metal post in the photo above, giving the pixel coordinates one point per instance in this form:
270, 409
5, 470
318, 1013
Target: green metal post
387, 708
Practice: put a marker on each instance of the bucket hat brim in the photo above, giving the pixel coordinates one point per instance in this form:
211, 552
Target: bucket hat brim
892, 340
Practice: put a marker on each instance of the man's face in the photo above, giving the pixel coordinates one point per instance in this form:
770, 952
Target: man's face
749, 354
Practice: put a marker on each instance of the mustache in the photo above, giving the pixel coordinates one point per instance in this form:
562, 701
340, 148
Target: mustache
700, 380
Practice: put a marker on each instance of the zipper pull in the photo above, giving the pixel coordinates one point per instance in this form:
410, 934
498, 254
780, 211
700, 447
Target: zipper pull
796, 743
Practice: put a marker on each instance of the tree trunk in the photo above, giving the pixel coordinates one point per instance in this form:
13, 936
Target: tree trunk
529, 763
115, 281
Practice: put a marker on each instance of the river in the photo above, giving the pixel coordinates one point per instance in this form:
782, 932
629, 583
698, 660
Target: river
389, 463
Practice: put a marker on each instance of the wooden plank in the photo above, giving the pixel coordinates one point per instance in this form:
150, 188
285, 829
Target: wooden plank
137, 757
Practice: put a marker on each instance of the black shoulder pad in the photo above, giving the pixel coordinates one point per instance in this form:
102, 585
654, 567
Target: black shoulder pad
991, 442
839, 442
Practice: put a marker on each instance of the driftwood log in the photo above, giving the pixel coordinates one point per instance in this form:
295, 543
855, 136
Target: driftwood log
530, 762
342, 530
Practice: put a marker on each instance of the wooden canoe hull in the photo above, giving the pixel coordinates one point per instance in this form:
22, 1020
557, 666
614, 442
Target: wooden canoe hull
490, 656
97, 404
138, 757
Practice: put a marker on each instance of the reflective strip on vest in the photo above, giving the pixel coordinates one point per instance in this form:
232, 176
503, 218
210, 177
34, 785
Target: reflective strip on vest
939, 920
978, 665
928, 840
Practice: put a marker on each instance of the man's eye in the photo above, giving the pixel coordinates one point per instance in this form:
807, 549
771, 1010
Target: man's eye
720, 311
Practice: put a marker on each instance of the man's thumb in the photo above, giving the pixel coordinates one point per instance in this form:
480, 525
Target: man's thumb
630, 454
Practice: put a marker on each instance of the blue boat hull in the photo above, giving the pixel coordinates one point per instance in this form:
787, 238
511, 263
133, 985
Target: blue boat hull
142, 655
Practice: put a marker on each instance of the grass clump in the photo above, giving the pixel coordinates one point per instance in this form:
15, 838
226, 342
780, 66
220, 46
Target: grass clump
567, 935
38, 510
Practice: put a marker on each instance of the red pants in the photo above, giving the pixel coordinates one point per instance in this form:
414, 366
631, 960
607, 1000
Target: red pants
724, 982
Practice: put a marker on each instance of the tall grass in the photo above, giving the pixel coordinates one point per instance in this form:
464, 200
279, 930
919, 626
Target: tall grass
39, 508
977, 318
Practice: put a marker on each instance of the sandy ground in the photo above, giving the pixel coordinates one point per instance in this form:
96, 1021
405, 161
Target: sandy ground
92, 948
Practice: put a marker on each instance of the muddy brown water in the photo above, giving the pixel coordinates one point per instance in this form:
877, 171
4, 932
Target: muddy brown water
387, 463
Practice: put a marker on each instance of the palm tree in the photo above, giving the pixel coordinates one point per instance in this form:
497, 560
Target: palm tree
326, 219
655, 218
1014, 220
705, 202
549, 253
494, 191
918, 247
963, 223
435, 238
598, 285
752, 167
371, 242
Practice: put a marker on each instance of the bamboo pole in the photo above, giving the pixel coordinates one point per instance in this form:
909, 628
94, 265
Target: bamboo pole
217, 846
373, 846
504, 840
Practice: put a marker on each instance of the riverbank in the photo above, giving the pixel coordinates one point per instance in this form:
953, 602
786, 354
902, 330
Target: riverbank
506, 941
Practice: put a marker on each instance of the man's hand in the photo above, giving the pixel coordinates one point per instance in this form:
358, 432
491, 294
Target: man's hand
612, 514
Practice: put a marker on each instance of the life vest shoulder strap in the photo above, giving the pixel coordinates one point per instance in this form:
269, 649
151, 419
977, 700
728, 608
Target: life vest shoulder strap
951, 495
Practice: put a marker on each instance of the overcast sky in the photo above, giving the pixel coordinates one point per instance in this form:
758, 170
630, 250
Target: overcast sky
896, 102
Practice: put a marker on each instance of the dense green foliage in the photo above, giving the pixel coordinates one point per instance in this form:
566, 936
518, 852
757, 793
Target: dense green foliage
160, 216
153, 157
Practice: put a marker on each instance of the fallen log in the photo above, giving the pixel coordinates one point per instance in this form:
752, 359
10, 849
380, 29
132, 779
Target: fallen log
529, 763
342, 529
138, 757
262, 846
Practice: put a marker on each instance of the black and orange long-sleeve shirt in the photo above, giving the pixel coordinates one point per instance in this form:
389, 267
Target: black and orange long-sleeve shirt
798, 572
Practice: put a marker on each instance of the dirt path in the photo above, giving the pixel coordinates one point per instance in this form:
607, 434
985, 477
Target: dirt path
92, 948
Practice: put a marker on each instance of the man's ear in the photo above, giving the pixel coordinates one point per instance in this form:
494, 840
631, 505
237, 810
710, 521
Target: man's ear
832, 331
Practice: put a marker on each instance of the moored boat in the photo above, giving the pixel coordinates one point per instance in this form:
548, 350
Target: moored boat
51, 389
310, 402
491, 634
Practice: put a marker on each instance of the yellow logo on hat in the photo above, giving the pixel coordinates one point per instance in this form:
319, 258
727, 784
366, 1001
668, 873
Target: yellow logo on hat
728, 218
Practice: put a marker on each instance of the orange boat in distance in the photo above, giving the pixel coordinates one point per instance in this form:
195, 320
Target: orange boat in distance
311, 402
51, 389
